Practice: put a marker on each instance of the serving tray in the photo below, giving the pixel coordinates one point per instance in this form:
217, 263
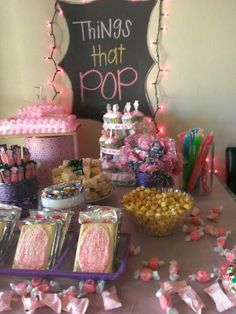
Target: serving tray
64, 265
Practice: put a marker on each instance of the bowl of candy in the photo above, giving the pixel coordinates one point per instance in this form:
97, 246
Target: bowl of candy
159, 212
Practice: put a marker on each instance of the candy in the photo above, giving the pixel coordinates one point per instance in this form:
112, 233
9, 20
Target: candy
110, 299
145, 274
134, 250
222, 302
5, 300
194, 235
74, 305
89, 286
165, 301
174, 270
192, 299
173, 286
201, 276
209, 229
153, 263
31, 304
51, 300
195, 211
220, 232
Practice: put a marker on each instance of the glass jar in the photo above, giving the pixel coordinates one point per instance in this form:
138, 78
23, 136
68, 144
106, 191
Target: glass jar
197, 178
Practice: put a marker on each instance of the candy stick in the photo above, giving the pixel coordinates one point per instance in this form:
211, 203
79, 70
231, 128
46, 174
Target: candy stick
192, 159
186, 145
206, 146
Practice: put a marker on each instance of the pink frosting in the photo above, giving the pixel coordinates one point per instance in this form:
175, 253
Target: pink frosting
31, 249
93, 255
39, 118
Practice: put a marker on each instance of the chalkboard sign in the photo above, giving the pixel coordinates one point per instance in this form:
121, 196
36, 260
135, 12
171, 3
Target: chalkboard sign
107, 59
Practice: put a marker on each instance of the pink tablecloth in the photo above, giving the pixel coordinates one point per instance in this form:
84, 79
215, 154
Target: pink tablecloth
139, 297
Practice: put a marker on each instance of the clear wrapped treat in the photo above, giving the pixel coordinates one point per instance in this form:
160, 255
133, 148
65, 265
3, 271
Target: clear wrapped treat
38, 244
97, 241
65, 216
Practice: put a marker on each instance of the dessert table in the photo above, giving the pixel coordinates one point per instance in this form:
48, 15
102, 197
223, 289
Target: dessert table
138, 296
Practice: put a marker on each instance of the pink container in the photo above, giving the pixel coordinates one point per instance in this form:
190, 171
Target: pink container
50, 153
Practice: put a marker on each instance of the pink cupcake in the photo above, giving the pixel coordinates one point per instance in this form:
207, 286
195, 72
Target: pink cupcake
114, 142
128, 117
107, 116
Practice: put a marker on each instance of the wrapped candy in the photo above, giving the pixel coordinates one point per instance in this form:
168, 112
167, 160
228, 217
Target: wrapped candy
171, 287
221, 300
134, 250
192, 299
74, 305
31, 304
146, 274
110, 299
194, 235
174, 270
5, 300
202, 276
153, 263
166, 302
51, 300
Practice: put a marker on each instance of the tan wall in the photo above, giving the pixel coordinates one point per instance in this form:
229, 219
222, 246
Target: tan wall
199, 49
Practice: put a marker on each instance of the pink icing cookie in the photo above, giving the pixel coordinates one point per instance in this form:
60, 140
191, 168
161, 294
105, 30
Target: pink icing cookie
32, 248
94, 248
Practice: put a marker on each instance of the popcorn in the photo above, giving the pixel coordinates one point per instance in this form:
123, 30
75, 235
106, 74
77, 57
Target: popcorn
158, 212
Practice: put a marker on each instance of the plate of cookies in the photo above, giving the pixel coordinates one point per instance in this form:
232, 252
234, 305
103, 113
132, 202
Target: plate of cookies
97, 185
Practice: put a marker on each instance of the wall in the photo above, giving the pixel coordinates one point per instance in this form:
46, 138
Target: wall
198, 50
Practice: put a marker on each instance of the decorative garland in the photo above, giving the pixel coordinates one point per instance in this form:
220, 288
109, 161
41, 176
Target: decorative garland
51, 23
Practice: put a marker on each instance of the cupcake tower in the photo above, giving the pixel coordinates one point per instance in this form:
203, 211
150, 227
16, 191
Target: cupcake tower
116, 127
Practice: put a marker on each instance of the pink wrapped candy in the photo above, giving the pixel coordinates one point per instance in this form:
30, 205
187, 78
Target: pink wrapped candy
174, 270
192, 299
110, 299
221, 300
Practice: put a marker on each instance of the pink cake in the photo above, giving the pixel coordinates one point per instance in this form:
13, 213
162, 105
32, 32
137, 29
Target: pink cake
40, 117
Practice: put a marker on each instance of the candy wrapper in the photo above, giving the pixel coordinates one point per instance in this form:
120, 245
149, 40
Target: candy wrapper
192, 299
165, 300
221, 300
12, 168
110, 299
38, 244
9, 216
174, 270
148, 154
106, 209
97, 241
171, 287
64, 216
5, 300
204, 276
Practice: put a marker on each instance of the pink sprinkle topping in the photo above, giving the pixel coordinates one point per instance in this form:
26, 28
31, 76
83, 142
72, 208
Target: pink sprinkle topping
93, 255
31, 249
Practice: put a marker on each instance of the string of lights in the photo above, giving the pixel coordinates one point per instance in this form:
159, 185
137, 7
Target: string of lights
51, 57
160, 70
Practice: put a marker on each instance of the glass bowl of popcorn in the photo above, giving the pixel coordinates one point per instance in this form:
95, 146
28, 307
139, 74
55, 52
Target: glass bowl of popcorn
159, 212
